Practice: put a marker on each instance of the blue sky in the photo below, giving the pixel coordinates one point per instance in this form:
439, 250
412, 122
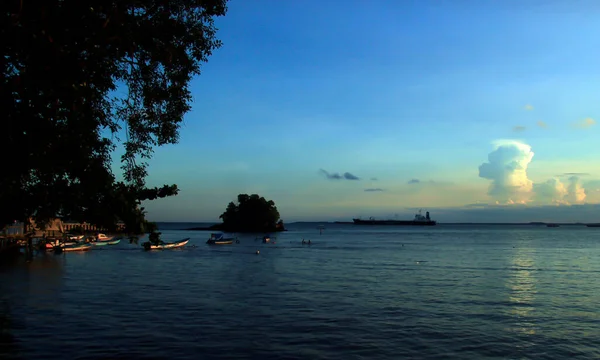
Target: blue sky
393, 90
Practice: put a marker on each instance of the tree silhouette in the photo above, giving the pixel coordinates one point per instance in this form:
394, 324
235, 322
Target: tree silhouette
80, 77
252, 213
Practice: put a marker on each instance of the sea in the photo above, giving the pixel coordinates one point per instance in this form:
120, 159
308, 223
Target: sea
356, 292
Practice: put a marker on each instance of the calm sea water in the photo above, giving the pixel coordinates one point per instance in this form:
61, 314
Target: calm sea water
446, 292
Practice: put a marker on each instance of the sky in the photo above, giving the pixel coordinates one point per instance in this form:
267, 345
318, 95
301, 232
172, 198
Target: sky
475, 111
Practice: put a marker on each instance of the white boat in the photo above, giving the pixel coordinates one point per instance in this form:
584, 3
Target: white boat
163, 245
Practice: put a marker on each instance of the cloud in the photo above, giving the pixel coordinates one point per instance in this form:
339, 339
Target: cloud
574, 174
374, 190
428, 182
585, 123
576, 192
552, 191
373, 179
528, 107
519, 128
542, 124
337, 176
507, 170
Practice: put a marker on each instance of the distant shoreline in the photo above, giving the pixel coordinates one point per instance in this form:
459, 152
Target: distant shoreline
211, 226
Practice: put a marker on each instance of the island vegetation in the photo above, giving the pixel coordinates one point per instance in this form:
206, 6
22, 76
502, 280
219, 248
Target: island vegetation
250, 214
82, 80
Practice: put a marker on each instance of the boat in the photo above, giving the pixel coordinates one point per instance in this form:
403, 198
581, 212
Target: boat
106, 242
74, 237
102, 237
164, 245
419, 220
220, 239
76, 247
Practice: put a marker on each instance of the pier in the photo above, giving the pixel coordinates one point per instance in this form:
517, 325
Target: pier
29, 236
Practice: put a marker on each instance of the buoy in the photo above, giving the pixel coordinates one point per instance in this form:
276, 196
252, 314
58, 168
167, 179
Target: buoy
257, 252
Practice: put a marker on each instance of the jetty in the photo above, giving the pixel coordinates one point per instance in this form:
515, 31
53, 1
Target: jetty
29, 236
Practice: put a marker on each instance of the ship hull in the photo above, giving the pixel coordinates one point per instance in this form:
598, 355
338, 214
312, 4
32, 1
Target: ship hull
395, 222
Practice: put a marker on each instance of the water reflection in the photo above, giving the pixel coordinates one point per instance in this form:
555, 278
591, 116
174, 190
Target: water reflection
35, 283
8, 341
522, 285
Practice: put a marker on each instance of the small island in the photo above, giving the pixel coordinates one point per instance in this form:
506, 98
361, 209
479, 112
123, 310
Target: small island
251, 214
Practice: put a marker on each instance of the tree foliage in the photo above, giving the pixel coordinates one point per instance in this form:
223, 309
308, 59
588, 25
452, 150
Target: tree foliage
252, 213
80, 77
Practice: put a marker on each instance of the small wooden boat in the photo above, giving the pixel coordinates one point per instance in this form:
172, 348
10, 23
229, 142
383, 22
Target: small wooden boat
76, 247
106, 242
102, 237
220, 239
163, 245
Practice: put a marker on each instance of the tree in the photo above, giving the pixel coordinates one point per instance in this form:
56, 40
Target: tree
251, 214
80, 77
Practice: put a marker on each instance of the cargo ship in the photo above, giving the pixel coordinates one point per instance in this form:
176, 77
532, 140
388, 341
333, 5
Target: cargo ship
419, 220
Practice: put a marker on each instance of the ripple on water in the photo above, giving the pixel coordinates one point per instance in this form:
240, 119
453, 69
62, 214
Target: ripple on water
444, 293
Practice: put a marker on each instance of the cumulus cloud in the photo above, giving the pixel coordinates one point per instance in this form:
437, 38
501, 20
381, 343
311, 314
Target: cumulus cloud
552, 191
585, 123
507, 170
519, 128
374, 190
556, 192
337, 176
576, 192
542, 124
528, 107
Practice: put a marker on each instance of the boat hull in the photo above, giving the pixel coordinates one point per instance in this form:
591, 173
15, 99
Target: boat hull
82, 247
220, 242
106, 242
172, 245
395, 222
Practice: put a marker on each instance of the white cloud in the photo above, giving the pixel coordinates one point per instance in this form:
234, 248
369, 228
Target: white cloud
542, 124
576, 192
585, 123
552, 191
507, 169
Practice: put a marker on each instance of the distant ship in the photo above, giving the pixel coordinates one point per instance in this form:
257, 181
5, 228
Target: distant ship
419, 220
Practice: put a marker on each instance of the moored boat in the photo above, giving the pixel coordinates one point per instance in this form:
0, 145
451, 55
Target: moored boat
164, 245
76, 247
102, 237
106, 242
220, 239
